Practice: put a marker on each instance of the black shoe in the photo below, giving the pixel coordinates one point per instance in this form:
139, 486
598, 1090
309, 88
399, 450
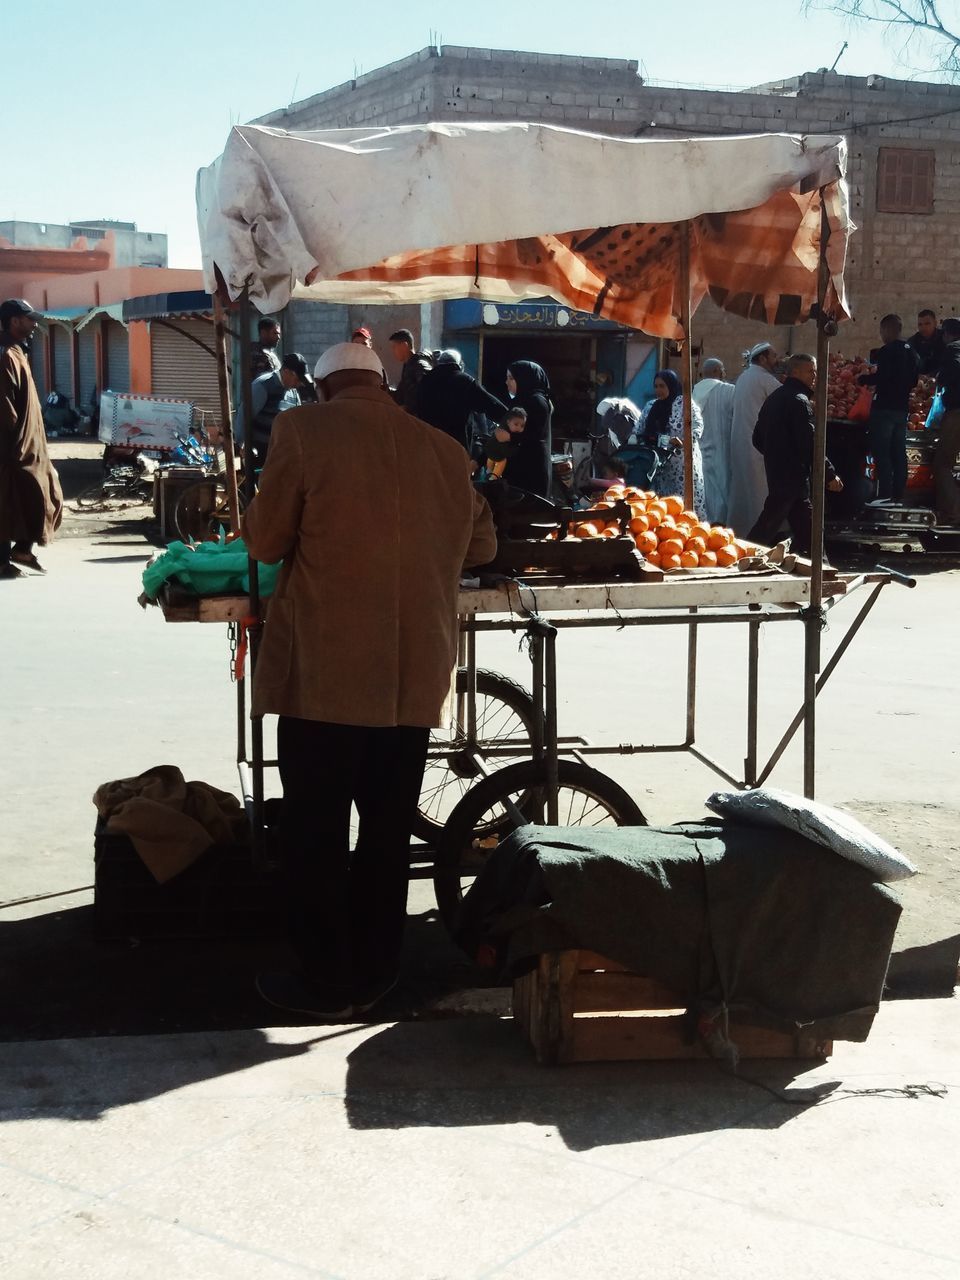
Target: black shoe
294, 994
26, 560
8, 570
365, 997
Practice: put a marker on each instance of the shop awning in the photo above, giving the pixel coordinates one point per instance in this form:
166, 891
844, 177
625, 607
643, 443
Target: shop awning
112, 309
180, 304
503, 212
64, 315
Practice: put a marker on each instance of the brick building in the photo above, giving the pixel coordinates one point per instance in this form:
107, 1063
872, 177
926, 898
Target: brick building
903, 171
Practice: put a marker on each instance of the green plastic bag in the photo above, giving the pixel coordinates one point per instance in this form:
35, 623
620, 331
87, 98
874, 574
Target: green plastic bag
208, 569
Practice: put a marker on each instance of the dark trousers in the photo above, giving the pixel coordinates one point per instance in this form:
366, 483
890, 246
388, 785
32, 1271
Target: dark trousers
346, 911
887, 432
6, 549
786, 504
944, 461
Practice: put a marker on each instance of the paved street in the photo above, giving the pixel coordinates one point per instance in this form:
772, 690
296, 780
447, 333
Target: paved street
428, 1147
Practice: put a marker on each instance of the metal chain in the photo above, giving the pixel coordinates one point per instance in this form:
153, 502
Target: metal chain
233, 631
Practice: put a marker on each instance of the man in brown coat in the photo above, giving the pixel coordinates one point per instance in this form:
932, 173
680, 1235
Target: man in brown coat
374, 517
31, 504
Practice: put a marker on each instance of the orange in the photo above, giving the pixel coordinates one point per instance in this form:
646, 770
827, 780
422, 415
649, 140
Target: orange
671, 546
611, 531
674, 504
717, 538
689, 559
639, 524
700, 530
631, 492
653, 557
587, 530
667, 530
727, 556
669, 562
654, 516
683, 529
659, 503
708, 559
696, 545
690, 516
647, 542
601, 506
615, 491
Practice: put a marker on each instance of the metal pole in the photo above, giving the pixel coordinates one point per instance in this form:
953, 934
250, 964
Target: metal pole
686, 366
550, 727
256, 722
814, 615
692, 638
226, 411
753, 703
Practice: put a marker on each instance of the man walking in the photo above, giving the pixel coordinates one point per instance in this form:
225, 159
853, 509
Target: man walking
449, 398
784, 436
748, 486
945, 458
31, 504
374, 517
415, 364
896, 369
715, 396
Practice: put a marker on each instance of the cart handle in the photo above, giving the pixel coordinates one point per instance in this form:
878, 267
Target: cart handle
904, 579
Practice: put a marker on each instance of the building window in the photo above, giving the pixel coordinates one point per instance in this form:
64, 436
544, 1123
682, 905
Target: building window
43, 228
150, 236
905, 180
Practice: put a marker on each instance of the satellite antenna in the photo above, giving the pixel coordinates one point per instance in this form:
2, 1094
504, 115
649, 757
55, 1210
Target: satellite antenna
843, 49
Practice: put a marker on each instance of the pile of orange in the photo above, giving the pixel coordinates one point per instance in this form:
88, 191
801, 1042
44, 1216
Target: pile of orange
663, 532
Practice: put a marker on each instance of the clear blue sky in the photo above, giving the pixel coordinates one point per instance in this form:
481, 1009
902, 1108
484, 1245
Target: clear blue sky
113, 111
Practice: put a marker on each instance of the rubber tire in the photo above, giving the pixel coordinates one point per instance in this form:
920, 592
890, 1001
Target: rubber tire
524, 776
492, 685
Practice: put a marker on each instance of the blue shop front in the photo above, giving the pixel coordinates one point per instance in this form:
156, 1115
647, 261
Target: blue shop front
586, 358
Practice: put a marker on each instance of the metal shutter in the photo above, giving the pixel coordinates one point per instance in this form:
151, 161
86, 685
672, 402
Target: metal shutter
117, 349
38, 350
62, 340
87, 372
183, 369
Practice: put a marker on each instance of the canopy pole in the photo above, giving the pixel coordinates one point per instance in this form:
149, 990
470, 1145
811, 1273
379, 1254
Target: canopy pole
814, 614
686, 367
226, 411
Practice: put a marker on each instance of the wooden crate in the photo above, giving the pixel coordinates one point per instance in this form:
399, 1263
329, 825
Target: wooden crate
578, 1006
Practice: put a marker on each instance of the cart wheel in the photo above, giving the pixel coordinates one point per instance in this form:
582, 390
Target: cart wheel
587, 798
202, 510
504, 715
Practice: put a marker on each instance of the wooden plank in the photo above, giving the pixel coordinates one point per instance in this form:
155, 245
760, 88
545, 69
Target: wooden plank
728, 588
593, 960
180, 607
633, 1037
622, 991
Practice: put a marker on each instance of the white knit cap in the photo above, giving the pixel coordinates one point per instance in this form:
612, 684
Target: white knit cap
347, 355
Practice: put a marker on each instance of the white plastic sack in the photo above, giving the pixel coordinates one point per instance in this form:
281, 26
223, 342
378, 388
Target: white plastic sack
834, 829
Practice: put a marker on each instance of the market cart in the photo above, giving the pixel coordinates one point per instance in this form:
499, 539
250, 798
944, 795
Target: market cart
635, 230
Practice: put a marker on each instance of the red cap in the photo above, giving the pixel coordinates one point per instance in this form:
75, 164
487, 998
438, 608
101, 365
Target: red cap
363, 332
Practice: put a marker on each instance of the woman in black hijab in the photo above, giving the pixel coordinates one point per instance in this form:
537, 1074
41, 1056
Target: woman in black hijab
530, 467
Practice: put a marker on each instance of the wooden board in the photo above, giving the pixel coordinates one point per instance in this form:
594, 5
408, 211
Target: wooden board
577, 1006
178, 606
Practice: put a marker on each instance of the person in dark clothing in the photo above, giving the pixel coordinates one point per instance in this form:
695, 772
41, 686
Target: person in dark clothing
530, 468
928, 342
305, 388
271, 393
896, 368
448, 396
945, 458
416, 364
263, 357
784, 435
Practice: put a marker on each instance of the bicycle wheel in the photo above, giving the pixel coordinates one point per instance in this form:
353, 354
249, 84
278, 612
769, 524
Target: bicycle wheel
504, 715
202, 509
586, 798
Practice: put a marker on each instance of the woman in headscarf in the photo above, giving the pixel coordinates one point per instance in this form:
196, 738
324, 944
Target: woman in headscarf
663, 420
530, 467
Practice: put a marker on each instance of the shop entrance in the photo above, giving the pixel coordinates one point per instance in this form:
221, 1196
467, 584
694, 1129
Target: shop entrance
570, 362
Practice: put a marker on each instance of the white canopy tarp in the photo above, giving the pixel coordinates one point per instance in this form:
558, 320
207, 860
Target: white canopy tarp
506, 211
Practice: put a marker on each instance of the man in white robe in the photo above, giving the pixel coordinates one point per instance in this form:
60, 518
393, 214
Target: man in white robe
748, 482
715, 395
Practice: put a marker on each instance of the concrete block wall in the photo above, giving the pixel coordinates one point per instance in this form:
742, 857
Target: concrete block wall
897, 262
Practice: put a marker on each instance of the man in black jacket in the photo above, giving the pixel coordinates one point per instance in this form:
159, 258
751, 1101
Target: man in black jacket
896, 368
784, 435
449, 396
945, 458
415, 364
928, 342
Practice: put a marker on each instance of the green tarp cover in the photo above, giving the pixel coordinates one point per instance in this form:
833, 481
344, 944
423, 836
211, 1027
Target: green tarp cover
208, 569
